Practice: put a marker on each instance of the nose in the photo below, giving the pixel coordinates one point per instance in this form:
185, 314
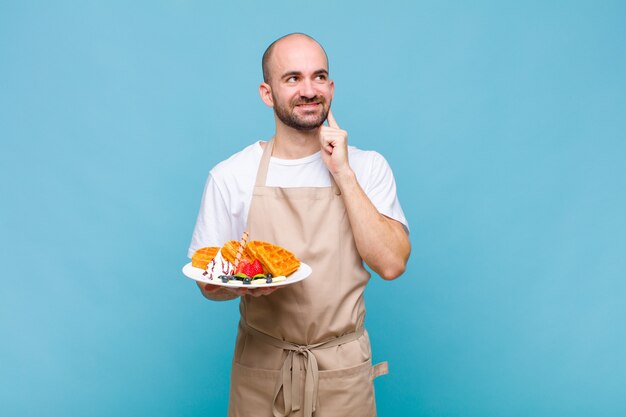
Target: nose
306, 89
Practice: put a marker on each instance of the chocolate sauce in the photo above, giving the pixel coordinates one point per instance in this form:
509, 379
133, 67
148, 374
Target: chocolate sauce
212, 268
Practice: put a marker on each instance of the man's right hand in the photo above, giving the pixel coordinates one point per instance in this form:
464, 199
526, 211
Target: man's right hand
220, 293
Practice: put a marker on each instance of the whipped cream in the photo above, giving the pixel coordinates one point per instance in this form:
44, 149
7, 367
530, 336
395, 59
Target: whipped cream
218, 266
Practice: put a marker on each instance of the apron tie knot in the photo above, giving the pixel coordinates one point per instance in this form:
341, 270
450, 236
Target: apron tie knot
299, 360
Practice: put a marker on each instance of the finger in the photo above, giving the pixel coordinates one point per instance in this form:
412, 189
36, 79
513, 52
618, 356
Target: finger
272, 289
237, 290
331, 120
263, 291
211, 288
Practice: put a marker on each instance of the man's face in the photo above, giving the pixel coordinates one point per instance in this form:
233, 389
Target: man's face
301, 90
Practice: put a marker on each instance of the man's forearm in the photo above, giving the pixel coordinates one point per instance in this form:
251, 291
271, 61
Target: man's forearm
382, 242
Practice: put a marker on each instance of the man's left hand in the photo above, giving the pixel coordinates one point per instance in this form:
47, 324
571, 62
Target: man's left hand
334, 142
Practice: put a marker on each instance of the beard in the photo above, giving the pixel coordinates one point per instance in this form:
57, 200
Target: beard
288, 116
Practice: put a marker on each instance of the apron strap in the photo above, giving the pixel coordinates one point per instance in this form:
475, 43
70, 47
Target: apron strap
380, 369
261, 176
290, 373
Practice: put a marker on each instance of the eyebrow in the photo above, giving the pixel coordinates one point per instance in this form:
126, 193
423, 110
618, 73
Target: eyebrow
292, 73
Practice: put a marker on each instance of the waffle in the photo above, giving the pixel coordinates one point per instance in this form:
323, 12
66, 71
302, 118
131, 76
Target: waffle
203, 256
279, 261
229, 251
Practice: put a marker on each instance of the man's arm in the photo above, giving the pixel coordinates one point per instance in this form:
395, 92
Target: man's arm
382, 242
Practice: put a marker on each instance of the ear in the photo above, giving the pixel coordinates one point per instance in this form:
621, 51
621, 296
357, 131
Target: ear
265, 91
332, 89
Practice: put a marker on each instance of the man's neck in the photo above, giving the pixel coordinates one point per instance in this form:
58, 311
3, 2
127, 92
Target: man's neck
290, 143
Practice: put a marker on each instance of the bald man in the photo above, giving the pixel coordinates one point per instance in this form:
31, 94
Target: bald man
301, 349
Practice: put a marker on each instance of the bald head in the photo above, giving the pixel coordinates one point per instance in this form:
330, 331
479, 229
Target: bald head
290, 38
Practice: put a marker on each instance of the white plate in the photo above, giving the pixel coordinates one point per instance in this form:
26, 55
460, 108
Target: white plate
197, 274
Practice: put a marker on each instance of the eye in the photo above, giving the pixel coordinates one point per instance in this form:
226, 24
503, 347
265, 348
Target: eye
320, 77
292, 79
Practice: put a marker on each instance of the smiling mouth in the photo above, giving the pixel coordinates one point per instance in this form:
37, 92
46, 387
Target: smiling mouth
308, 106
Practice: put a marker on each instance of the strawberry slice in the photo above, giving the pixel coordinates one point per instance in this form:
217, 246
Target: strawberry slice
241, 266
250, 269
256, 268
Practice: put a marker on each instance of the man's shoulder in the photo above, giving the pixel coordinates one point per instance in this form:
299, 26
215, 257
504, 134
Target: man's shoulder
239, 163
365, 158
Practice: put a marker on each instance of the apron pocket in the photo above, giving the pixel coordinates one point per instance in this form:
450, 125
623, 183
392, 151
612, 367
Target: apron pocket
347, 392
251, 391
341, 393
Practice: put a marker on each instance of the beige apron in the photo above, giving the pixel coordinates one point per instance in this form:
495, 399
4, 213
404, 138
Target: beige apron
302, 350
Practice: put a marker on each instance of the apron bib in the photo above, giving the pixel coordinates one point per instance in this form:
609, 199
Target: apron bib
302, 350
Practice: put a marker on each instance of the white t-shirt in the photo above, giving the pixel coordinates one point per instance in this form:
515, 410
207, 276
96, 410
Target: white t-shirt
228, 191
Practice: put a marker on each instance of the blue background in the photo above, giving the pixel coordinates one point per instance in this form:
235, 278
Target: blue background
504, 124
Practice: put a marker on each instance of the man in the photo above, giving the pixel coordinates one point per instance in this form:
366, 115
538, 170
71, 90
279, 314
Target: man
301, 349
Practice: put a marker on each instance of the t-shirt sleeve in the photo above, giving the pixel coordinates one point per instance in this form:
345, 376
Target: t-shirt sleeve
213, 225
381, 190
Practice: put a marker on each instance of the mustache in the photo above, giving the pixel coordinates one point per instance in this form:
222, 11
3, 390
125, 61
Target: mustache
312, 100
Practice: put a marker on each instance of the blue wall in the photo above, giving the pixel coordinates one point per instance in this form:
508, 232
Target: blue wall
504, 124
